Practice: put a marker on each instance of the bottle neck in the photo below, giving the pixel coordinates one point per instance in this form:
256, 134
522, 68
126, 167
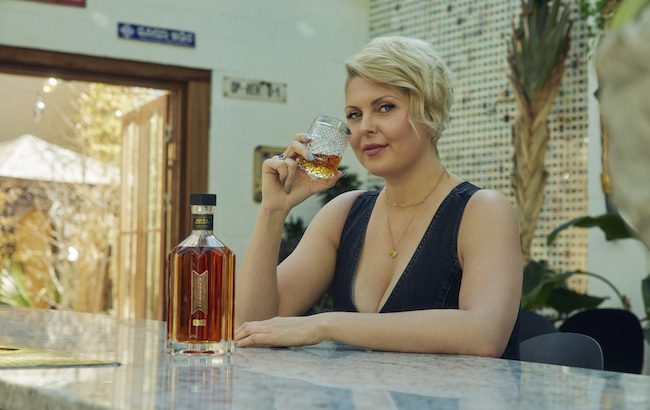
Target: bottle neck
202, 218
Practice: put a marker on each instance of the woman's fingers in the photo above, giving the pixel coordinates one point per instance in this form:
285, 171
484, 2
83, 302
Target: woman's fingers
256, 339
291, 167
286, 169
302, 137
282, 170
298, 147
250, 328
255, 334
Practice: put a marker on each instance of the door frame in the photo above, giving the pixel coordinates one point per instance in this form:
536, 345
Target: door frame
189, 110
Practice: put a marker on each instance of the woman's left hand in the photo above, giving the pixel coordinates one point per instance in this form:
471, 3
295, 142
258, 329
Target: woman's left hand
279, 331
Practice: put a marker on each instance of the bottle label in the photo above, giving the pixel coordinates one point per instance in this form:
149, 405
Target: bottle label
202, 222
199, 292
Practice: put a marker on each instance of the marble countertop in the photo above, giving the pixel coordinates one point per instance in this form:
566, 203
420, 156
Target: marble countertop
322, 376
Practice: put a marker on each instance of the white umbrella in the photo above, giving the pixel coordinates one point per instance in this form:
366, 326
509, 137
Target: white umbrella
29, 157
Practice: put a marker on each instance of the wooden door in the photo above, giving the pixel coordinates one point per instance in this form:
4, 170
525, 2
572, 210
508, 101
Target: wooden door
142, 235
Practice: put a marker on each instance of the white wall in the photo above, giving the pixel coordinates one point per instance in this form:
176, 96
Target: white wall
622, 262
299, 42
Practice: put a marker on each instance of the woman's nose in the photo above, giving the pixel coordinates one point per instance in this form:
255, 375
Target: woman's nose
367, 125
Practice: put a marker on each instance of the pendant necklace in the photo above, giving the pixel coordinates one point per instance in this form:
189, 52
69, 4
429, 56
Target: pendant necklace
393, 253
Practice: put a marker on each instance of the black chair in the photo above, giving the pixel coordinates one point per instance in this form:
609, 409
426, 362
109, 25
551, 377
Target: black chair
532, 324
618, 332
563, 348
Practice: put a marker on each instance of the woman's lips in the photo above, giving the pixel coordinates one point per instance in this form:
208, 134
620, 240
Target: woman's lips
373, 149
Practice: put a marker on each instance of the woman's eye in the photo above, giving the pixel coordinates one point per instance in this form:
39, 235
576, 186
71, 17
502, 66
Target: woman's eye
386, 107
352, 115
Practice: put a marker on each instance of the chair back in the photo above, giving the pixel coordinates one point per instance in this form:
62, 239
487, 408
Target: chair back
532, 324
563, 348
618, 332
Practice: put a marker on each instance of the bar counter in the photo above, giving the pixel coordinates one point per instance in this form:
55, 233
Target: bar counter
324, 376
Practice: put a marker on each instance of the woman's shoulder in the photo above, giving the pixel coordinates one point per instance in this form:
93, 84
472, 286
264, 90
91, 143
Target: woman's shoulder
488, 204
331, 218
486, 197
337, 210
342, 203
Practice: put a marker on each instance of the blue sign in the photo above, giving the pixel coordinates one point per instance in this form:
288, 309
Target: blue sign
156, 34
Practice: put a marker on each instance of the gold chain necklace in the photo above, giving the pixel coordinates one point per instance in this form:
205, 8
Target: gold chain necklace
393, 252
408, 205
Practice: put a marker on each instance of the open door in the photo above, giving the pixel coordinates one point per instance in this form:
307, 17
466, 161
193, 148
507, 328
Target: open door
164, 158
141, 243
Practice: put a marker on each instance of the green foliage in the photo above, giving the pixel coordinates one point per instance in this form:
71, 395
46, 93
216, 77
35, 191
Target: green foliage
539, 44
566, 301
545, 288
611, 224
601, 12
645, 291
348, 182
610, 14
294, 228
614, 227
13, 291
627, 11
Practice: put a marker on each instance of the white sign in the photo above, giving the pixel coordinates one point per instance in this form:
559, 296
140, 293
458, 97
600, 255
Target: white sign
255, 89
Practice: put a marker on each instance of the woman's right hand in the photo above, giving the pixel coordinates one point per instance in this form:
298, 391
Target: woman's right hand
284, 185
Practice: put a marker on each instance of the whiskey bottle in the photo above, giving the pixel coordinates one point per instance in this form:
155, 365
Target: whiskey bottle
201, 287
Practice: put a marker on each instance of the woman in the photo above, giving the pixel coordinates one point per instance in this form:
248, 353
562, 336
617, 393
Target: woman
428, 264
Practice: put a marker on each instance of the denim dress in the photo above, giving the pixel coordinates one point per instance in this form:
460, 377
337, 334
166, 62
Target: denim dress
432, 277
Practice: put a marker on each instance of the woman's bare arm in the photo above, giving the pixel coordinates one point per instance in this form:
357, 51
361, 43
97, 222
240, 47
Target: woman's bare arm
489, 300
264, 289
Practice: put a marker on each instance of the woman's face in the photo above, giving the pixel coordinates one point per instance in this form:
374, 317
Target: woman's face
381, 136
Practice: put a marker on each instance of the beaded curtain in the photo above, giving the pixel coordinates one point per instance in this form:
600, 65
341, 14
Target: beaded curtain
472, 36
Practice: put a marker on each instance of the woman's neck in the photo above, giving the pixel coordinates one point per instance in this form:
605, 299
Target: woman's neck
416, 183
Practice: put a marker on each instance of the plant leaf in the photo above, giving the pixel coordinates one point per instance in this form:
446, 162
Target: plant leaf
539, 283
611, 224
566, 301
534, 274
645, 291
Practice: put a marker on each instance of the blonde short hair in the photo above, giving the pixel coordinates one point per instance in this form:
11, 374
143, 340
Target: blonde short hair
414, 66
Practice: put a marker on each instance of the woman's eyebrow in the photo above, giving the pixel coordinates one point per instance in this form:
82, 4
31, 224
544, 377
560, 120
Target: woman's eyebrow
375, 101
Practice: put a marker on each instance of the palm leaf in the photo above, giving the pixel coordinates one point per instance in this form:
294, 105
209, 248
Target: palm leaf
539, 44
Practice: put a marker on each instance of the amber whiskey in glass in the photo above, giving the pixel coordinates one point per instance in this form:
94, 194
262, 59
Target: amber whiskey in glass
201, 287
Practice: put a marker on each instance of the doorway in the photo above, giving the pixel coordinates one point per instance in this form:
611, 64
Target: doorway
141, 131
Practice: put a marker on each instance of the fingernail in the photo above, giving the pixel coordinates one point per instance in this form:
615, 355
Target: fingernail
310, 156
287, 190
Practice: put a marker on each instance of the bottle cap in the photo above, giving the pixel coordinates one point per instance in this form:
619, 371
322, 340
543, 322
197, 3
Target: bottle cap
203, 199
